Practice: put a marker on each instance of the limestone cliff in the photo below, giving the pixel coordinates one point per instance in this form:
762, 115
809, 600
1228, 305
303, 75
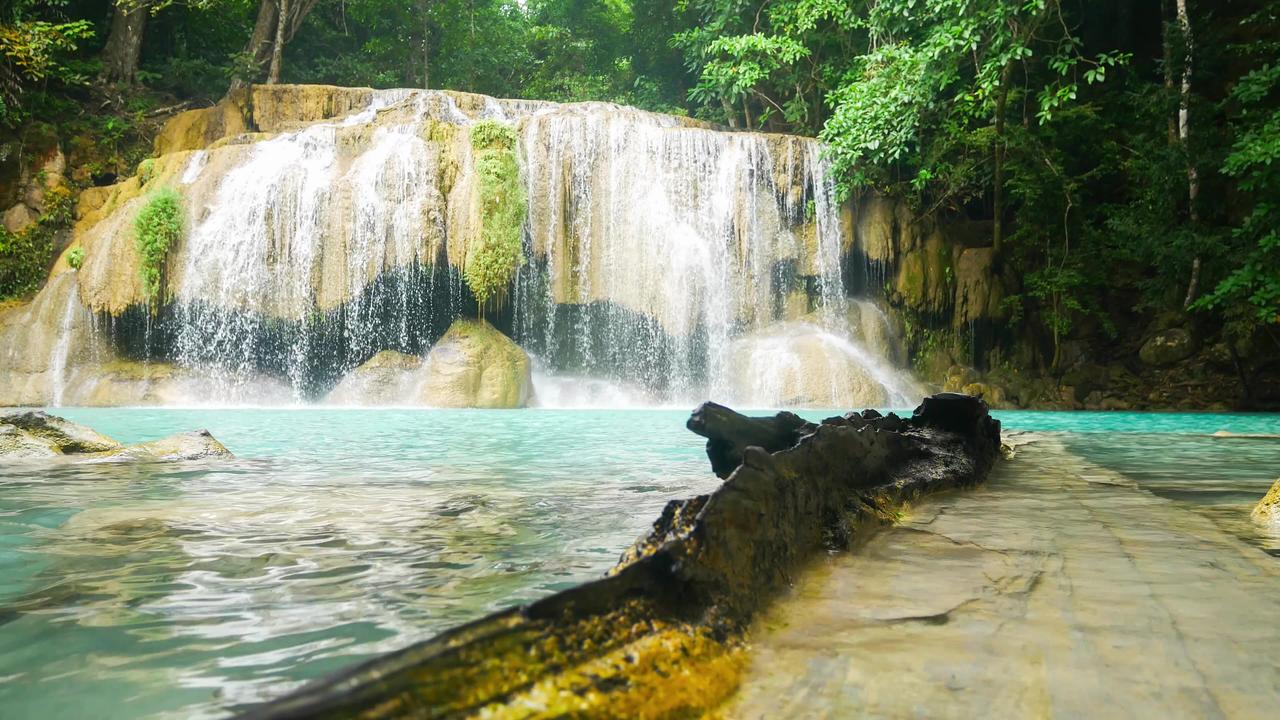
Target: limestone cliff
324, 225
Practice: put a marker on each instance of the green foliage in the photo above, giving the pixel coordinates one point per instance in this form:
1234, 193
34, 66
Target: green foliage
1250, 292
75, 258
35, 51
157, 228
25, 255
492, 262
492, 135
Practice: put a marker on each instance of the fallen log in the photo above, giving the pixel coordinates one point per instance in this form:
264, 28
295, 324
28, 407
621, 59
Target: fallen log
661, 634
729, 434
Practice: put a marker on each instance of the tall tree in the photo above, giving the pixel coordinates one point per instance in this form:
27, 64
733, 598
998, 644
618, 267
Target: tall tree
277, 22
1184, 137
124, 41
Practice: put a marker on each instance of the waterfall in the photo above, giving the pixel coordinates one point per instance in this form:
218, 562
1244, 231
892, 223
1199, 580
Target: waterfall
665, 260
62, 349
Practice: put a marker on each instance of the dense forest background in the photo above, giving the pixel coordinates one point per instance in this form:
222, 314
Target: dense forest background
1120, 156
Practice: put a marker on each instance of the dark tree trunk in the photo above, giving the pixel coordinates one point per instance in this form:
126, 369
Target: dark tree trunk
124, 45
997, 224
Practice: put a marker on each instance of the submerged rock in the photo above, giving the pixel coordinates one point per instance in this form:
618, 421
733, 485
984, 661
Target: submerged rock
193, 445
661, 634
475, 366
37, 434
1267, 511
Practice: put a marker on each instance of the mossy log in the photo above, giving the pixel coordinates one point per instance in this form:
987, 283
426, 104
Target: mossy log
661, 635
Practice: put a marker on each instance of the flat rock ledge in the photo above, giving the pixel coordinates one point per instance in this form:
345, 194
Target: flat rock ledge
663, 633
35, 435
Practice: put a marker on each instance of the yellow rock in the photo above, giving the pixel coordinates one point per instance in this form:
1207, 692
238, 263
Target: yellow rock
1267, 511
474, 365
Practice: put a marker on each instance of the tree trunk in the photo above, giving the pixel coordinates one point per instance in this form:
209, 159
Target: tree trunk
1184, 135
277, 47
124, 45
997, 200
260, 41
730, 115
1168, 68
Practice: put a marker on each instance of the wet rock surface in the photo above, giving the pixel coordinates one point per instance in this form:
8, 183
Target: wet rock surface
37, 434
1130, 607
661, 634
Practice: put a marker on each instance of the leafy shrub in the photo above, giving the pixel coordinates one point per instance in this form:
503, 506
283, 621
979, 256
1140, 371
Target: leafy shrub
75, 258
493, 260
157, 227
492, 135
25, 255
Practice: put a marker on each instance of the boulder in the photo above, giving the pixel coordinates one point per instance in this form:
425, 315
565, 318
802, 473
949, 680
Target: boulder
383, 379
58, 435
37, 434
802, 365
1167, 347
19, 218
1267, 511
193, 445
474, 365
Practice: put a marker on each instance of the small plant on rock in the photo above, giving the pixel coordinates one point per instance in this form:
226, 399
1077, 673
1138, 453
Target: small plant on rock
157, 227
75, 258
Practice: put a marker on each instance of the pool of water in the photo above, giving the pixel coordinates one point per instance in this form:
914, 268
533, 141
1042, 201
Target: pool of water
186, 591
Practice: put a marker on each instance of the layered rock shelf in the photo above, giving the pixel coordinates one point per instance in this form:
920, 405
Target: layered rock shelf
662, 634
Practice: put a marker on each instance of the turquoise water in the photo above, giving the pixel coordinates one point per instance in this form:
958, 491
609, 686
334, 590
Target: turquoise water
176, 591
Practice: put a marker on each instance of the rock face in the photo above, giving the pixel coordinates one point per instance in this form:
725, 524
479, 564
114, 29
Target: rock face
1267, 511
322, 224
660, 635
475, 366
1167, 347
38, 434
384, 379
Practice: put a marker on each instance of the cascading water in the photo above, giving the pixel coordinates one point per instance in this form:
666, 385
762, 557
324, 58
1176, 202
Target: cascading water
666, 261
